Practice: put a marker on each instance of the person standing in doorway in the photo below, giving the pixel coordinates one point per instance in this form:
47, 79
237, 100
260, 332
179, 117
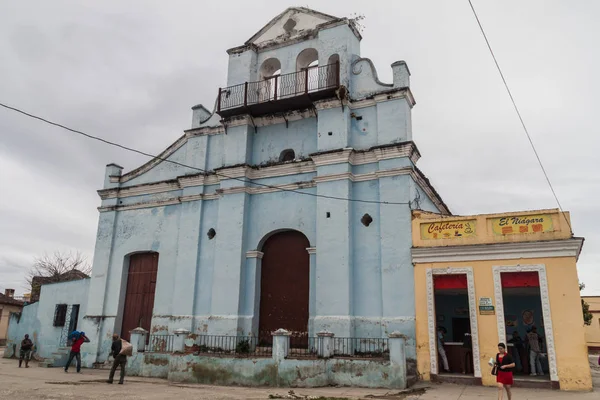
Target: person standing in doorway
120, 359
440, 345
534, 352
517, 348
504, 377
25, 352
78, 340
466, 353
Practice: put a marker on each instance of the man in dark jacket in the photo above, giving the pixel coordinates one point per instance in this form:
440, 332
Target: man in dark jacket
120, 359
25, 352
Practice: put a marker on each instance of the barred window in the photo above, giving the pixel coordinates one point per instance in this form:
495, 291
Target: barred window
60, 314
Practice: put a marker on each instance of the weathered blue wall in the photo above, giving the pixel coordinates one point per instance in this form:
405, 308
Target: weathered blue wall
361, 281
270, 141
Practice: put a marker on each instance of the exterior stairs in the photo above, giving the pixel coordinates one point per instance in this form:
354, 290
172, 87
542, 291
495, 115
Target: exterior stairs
58, 358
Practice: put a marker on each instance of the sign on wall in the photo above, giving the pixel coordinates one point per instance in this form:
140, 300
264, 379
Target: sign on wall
486, 306
522, 224
448, 230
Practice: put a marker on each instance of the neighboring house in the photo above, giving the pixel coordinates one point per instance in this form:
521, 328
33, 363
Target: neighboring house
592, 331
49, 321
38, 281
8, 306
496, 275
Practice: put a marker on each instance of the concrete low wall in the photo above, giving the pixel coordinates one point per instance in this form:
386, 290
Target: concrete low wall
152, 365
267, 371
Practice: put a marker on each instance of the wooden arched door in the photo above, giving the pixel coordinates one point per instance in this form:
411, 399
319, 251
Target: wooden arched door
285, 287
139, 297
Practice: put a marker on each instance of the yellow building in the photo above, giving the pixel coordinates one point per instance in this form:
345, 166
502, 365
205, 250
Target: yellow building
8, 305
592, 332
495, 276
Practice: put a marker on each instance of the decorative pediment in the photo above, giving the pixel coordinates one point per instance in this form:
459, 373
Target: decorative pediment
290, 23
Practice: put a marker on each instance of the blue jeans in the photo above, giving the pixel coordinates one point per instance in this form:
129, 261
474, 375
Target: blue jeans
77, 356
536, 365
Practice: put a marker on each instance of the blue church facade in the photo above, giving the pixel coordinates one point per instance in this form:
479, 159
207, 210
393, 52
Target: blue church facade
305, 148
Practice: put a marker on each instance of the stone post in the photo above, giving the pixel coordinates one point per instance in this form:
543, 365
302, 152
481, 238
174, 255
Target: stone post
401, 74
179, 340
325, 344
138, 339
281, 344
398, 358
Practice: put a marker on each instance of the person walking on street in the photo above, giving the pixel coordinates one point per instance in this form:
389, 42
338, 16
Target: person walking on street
534, 352
78, 339
441, 350
25, 352
120, 359
504, 376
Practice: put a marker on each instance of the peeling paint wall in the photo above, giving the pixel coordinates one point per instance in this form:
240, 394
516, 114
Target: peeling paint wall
270, 141
267, 372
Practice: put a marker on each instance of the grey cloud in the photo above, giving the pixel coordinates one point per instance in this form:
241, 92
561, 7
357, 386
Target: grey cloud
130, 71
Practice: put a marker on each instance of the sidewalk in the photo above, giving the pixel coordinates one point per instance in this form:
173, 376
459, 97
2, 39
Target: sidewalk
53, 383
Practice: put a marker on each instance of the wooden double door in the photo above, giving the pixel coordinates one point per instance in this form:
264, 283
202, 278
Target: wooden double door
139, 296
285, 287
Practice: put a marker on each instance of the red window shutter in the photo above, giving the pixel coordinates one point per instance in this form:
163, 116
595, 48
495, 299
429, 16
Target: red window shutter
520, 279
458, 281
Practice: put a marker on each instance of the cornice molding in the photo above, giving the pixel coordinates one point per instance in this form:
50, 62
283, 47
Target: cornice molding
268, 189
498, 251
347, 155
407, 149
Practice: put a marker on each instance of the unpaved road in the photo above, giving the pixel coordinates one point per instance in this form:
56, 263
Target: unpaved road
53, 383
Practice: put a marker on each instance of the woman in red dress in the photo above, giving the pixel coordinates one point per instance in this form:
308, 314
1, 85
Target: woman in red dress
505, 365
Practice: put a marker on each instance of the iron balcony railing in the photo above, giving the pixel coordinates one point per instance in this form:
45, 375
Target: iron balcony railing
278, 87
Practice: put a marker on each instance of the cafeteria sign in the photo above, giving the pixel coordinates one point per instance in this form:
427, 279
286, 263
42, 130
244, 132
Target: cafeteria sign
522, 224
448, 230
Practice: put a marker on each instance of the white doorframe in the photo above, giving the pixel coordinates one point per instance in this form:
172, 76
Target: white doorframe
431, 316
548, 331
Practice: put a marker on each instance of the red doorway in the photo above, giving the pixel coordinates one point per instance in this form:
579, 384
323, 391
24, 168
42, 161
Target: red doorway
139, 296
285, 287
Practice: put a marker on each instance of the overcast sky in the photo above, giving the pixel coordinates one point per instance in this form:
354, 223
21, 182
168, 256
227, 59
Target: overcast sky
129, 71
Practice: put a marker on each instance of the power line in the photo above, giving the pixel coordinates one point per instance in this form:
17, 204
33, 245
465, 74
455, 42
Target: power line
194, 168
518, 113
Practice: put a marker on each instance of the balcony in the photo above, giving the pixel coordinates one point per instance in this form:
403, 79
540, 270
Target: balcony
294, 91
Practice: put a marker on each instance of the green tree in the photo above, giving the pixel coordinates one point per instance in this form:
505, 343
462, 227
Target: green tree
585, 307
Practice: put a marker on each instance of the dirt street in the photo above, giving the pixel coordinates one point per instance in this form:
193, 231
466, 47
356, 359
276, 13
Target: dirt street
53, 383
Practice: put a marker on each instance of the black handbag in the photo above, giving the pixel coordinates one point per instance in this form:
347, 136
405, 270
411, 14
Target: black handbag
495, 369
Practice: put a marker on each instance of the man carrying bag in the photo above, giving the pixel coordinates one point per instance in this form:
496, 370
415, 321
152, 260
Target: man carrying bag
120, 349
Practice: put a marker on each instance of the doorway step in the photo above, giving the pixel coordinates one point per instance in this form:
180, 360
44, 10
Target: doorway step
58, 358
457, 379
535, 382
